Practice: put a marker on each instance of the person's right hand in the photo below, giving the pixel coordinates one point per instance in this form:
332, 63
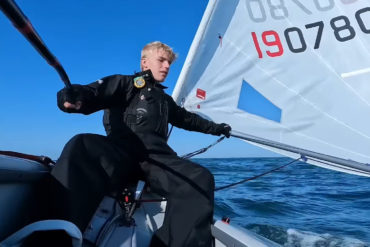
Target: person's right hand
69, 99
75, 106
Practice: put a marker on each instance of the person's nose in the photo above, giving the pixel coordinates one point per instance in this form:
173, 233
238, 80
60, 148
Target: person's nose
166, 64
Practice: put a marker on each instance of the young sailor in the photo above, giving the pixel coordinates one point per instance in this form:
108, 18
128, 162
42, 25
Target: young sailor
137, 113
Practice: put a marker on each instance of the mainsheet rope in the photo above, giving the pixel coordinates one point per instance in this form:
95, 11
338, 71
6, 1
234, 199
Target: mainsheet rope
202, 150
257, 176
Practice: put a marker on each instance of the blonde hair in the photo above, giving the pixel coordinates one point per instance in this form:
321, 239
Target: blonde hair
157, 45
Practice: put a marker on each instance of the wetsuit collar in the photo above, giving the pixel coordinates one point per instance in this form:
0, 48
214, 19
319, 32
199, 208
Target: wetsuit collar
148, 76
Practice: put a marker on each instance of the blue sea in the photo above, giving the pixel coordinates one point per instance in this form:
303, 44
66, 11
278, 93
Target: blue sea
299, 205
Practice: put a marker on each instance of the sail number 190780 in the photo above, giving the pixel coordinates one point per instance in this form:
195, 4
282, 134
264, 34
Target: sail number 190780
343, 30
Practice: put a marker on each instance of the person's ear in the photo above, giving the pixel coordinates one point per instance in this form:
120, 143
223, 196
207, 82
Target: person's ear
143, 64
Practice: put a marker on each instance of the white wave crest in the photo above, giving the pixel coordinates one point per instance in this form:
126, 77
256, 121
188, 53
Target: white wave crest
310, 239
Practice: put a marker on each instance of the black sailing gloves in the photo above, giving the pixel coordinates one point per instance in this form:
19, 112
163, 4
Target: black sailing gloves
75, 96
223, 129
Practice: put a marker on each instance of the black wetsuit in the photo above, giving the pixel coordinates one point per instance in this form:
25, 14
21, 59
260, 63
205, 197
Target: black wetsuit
136, 120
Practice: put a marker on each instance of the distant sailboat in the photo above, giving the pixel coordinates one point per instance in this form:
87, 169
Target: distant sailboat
290, 76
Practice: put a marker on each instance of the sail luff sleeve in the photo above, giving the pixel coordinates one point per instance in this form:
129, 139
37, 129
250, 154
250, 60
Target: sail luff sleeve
193, 50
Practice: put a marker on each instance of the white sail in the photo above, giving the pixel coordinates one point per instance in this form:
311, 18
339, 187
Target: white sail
293, 72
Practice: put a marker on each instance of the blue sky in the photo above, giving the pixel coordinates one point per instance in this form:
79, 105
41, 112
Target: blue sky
91, 39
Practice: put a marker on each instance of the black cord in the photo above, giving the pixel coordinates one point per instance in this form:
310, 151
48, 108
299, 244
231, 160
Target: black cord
202, 150
257, 176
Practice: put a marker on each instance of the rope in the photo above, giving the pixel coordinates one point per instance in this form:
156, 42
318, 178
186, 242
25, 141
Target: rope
202, 150
257, 176
169, 132
40, 159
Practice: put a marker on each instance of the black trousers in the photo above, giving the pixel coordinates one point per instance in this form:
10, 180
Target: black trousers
91, 166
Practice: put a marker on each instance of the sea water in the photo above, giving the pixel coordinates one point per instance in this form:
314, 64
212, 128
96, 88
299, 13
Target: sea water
299, 205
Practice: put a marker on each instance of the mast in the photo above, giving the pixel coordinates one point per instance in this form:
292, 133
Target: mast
193, 49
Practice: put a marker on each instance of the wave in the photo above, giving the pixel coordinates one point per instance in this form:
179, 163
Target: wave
296, 238
308, 239
300, 205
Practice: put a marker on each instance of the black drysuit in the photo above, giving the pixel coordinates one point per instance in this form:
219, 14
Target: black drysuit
136, 120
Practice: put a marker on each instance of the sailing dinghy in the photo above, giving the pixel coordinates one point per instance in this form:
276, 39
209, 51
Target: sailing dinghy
292, 73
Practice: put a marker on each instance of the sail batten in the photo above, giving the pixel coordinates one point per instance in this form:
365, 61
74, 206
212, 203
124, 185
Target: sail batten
308, 65
354, 73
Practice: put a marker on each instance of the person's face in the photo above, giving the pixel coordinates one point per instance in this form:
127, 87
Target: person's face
158, 61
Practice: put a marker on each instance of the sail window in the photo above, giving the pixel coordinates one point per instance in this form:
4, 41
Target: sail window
253, 102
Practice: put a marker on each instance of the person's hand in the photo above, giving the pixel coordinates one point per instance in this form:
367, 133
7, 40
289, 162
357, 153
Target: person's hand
223, 129
69, 99
75, 106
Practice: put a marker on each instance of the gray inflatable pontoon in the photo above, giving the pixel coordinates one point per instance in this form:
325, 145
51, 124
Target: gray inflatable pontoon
23, 199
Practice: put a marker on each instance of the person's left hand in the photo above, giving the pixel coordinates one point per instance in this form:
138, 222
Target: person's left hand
223, 129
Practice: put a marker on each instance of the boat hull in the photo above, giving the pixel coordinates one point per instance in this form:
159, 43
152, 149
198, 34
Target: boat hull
23, 200
22, 193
